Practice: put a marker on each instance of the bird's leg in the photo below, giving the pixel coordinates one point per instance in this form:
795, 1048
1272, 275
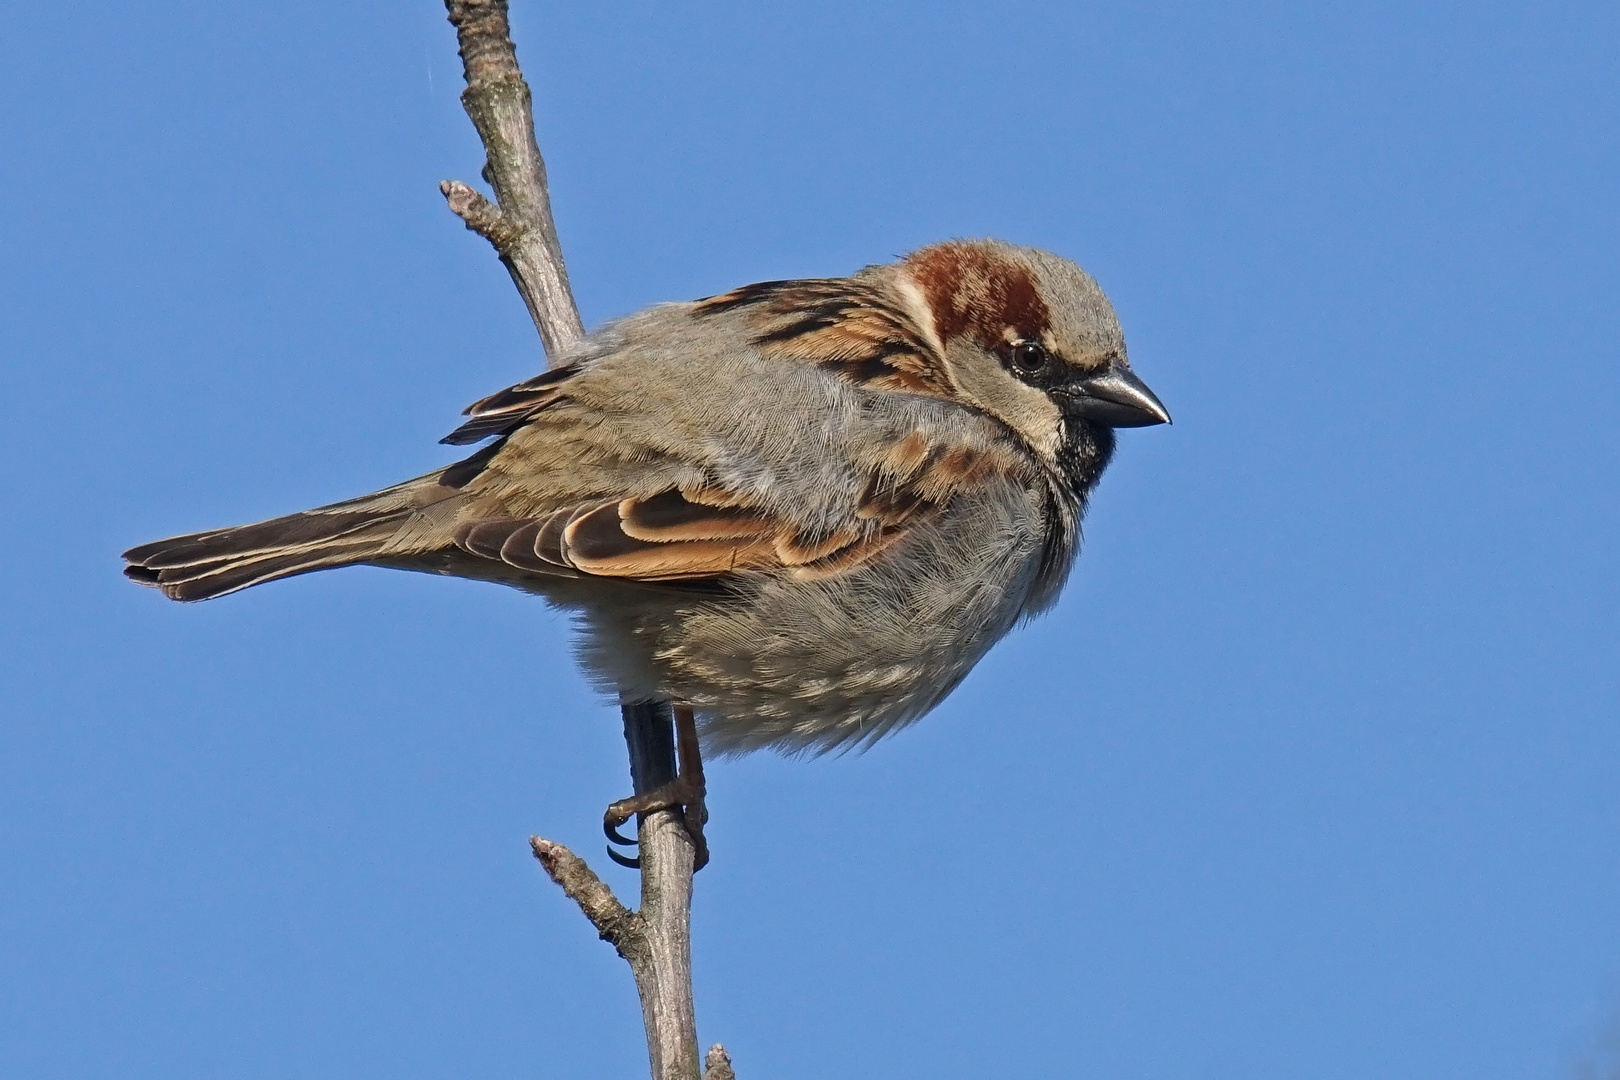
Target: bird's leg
695, 808
687, 791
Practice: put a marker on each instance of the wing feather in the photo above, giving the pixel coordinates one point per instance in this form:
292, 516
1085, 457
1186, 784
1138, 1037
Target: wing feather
706, 532
505, 410
848, 325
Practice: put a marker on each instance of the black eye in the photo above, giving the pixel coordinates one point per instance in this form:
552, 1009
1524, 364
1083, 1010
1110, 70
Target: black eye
1029, 358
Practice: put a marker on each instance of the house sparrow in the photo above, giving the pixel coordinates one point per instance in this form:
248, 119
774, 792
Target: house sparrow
802, 509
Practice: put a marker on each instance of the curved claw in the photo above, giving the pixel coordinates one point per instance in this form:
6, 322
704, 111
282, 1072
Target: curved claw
611, 830
623, 860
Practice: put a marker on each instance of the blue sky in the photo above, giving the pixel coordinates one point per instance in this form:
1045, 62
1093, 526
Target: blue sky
1314, 772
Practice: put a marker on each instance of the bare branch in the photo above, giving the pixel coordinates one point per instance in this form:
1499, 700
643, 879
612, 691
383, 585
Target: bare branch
666, 912
657, 940
668, 858
617, 924
521, 227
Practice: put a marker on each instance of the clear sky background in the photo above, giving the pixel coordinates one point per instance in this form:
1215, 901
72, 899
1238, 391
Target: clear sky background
1315, 772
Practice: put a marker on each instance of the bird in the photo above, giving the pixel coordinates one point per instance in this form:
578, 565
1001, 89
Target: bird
801, 510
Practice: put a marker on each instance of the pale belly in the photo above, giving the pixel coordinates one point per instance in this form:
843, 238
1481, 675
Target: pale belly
816, 666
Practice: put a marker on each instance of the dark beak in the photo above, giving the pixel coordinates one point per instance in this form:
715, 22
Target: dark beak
1116, 398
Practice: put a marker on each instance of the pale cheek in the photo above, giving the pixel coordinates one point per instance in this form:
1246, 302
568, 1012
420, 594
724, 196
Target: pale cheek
1046, 430
983, 382
915, 303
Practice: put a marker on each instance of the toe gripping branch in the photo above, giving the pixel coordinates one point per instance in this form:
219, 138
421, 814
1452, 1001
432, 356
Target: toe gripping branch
653, 760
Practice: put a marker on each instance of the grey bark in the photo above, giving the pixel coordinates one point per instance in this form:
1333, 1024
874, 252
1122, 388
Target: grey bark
655, 940
667, 858
519, 222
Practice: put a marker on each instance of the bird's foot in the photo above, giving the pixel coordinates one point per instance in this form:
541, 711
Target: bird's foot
686, 793
679, 794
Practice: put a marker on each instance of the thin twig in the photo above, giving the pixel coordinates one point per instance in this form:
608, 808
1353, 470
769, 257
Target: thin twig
520, 227
617, 924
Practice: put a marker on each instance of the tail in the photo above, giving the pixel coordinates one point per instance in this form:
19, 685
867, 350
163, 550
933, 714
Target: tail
208, 564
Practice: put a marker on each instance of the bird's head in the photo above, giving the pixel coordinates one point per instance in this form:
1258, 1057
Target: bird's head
1030, 338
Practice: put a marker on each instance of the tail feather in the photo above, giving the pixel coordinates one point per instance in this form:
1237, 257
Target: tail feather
203, 565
